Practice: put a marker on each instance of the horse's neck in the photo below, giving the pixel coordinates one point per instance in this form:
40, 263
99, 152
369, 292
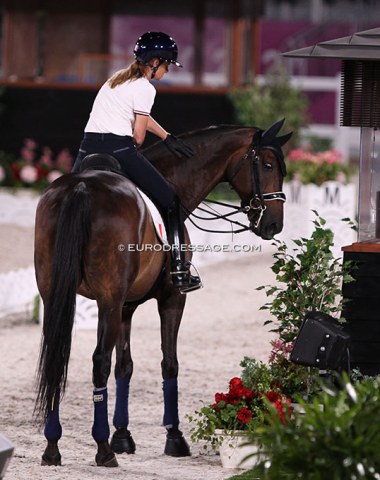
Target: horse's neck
194, 178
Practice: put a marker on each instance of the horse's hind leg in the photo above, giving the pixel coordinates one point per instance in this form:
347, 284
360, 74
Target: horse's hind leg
108, 332
52, 432
122, 441
171, 309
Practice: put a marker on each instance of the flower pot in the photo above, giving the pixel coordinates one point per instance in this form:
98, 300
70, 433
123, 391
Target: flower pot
233, 452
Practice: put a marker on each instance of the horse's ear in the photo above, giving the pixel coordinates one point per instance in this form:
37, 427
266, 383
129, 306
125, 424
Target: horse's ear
284, 138
271, 132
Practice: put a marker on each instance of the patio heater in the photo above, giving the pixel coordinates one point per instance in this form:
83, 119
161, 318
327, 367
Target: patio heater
360, 107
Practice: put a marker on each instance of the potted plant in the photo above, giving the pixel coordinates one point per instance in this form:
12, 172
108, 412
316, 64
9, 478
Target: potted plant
225, 423
342, 440
308, 166
291, 379
35, 168
308, 278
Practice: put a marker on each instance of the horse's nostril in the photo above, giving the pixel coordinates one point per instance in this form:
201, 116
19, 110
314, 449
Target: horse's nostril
274, 228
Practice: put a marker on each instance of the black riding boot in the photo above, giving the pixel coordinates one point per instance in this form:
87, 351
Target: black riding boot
180, 269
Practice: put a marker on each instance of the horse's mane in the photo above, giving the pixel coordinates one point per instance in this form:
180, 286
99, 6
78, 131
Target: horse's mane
214, 128
154, 150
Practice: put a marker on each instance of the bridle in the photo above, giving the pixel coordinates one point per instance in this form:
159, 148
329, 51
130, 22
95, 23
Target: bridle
257, 202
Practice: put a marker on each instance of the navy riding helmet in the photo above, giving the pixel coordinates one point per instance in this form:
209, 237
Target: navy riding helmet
156, 45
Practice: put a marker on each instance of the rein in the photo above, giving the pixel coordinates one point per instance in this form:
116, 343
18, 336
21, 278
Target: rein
256, 203
217, 216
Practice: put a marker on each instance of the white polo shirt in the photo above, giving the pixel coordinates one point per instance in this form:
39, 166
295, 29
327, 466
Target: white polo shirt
114, 109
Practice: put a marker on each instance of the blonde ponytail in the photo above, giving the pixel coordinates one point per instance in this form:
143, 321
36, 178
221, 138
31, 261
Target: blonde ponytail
134, 71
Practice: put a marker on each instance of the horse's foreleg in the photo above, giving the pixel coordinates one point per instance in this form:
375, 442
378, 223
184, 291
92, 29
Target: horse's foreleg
108, 332
122, 441
52, 432
171, 309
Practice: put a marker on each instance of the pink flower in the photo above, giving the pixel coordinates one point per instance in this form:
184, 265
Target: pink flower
53, 175
330, 157
28, 174
46, 157
28, 151
27, 155
64, 160
30, 143
280, 348
299, 155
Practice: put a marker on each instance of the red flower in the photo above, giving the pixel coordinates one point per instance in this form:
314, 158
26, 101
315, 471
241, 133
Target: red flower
280, 411
237, 389
272, 396
221, 397
248, 394
15, 167
42, 171
236, 383
244, 415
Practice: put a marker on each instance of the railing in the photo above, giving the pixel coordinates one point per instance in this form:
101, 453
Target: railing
97, 67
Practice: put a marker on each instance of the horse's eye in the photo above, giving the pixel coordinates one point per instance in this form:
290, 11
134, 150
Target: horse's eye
268, 166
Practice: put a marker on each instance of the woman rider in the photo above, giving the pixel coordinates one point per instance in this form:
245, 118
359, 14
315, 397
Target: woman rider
118, 122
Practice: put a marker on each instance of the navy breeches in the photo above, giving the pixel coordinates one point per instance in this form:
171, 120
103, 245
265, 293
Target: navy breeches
133, 164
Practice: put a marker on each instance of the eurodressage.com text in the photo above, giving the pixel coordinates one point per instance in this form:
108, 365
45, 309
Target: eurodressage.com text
148, 247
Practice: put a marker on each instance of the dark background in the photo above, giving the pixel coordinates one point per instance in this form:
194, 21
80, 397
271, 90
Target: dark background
57, 117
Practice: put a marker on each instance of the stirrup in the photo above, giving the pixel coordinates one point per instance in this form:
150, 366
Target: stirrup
197, 285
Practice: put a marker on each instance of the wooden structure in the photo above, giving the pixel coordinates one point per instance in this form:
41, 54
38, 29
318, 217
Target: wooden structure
46, 47
360, 106
44, 41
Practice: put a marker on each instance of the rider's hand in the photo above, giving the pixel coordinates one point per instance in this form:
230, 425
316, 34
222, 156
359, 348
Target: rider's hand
178, 146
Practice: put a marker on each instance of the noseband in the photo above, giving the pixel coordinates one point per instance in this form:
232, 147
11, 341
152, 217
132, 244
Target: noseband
257, 202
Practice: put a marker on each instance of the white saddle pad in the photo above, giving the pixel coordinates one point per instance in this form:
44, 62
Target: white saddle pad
156, 216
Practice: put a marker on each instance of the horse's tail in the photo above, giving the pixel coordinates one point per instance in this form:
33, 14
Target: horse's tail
72, 235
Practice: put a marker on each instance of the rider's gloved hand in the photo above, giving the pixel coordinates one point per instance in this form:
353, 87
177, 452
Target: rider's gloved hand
178, 146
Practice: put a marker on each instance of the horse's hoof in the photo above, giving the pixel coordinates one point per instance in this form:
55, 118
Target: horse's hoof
176, 445
122, 441
51, 455
105, 456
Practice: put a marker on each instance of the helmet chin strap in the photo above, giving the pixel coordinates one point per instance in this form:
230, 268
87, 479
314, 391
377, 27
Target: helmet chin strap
155, 68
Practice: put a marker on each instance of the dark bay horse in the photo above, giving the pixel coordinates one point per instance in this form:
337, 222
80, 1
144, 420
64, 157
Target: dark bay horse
84, 225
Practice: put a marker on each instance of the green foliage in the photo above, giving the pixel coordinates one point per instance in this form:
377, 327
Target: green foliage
291, 379
223, 191
308, 278
256, 374
262, 105
319, 144
245, 476
337, 437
